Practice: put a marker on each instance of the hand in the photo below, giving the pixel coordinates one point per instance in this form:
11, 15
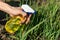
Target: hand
18, 11
14, 11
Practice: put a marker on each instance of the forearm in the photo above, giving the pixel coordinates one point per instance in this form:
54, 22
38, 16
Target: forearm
5, 7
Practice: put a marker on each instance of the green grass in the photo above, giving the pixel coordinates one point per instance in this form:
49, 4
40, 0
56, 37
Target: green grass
44, 25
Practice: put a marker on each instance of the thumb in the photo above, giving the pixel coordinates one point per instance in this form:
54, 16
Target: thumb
24, 14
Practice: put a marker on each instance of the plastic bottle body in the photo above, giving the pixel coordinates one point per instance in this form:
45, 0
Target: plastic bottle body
13, 24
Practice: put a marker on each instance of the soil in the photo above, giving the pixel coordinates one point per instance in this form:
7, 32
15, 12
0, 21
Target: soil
3, 34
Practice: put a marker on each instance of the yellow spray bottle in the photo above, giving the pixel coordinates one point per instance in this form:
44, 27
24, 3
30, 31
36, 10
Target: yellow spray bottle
14, 23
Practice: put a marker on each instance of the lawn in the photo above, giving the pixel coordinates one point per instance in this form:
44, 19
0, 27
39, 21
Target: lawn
44, 25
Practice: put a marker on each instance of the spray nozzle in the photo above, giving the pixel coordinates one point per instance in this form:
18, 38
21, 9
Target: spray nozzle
26, 8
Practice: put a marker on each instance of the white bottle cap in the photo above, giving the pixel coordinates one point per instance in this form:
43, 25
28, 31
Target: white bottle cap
27, 8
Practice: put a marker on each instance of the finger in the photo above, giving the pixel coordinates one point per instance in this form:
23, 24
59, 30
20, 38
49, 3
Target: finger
24, 14
28, 19
30, 15
11, 15
23, 21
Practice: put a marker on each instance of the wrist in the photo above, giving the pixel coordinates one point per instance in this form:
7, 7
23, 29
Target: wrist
9, 10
